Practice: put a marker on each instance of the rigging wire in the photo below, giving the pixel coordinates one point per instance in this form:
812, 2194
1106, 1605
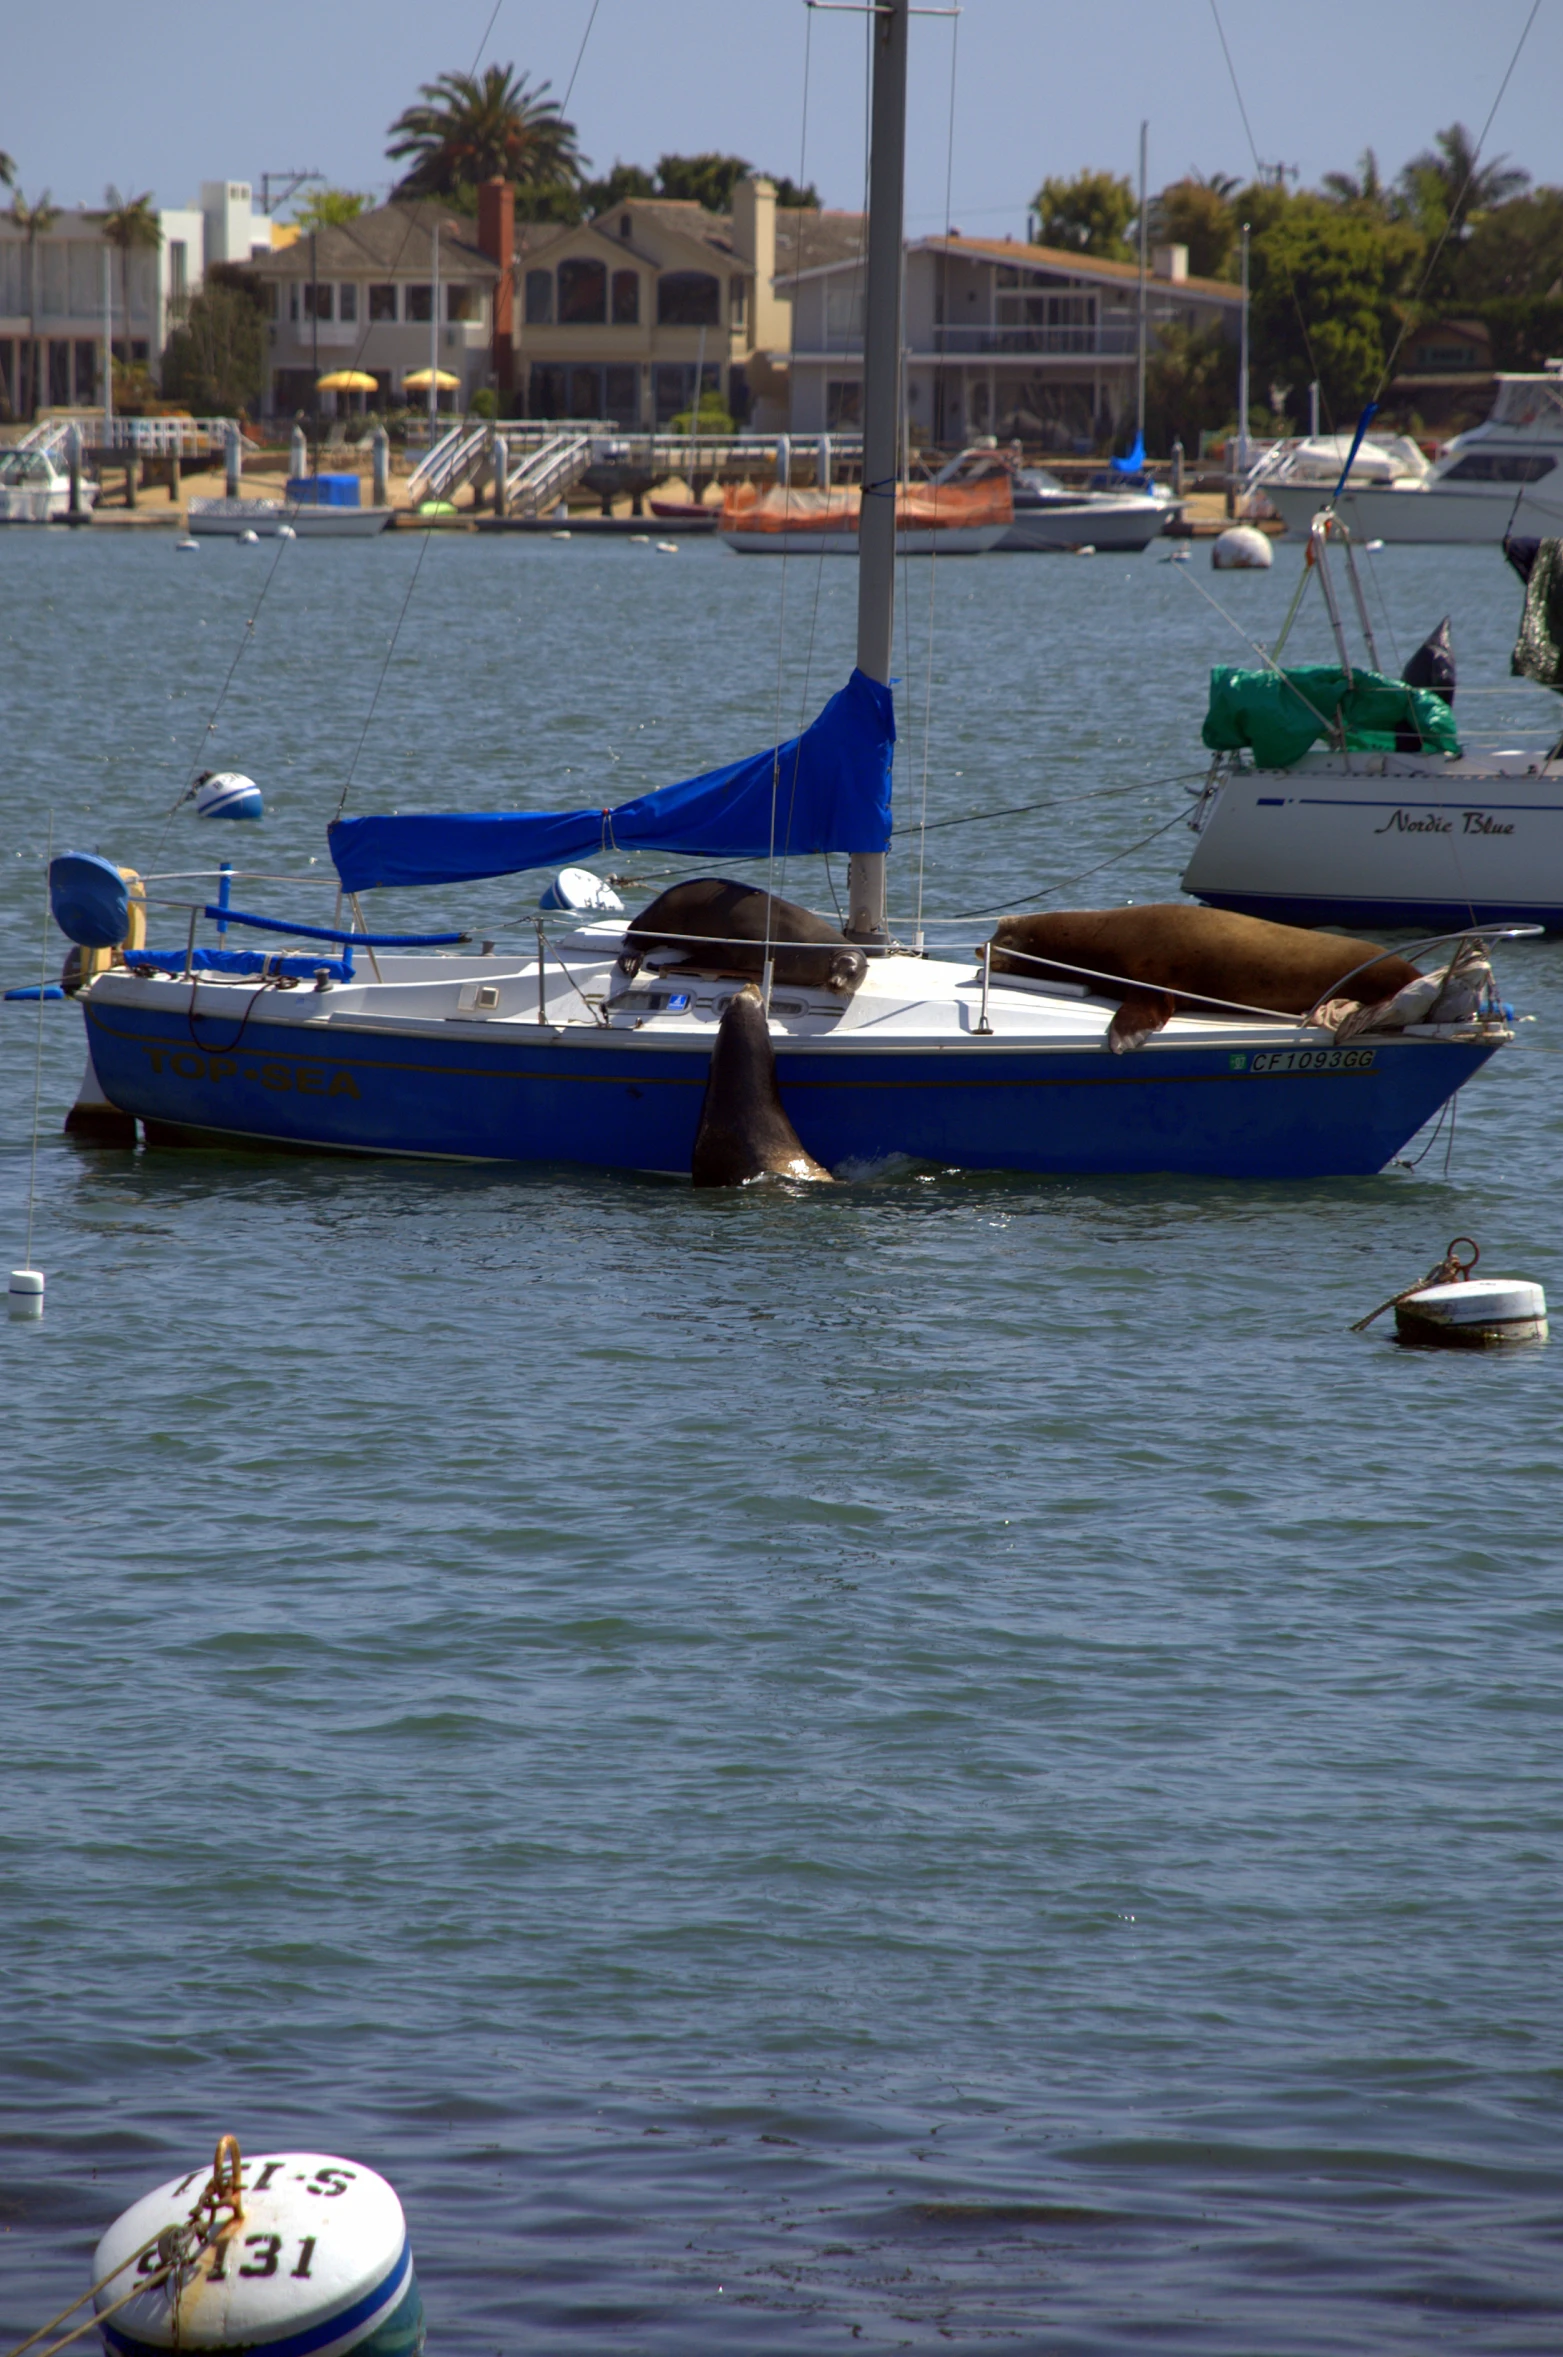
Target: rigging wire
1046, 891
580, 53
43, 984
781, 616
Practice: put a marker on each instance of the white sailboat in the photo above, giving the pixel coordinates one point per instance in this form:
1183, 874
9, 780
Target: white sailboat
578, 1052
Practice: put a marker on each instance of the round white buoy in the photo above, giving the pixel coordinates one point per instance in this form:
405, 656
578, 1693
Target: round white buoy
24, 1296
667, 548
249, 536
286, 532
1472, 1314
228, 793
1241, 548
578, 888
558, 535
185, 547
310, 2259
1086, 548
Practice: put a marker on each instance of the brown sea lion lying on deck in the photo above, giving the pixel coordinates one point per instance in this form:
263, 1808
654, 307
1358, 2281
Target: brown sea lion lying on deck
736, 920
744, 1132
1169, 958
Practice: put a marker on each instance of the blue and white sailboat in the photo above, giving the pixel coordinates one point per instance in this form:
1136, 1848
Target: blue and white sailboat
563, 1056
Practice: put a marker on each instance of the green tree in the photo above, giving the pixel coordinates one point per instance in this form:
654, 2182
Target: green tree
34, 221
1445, 186
707, 180
616, 188
468, 128
1514, 251
1329, 286
1190, 385
1197, 213
714, 416
331, 208
793, 198
1364, 189
1089, 214
7, 170
215, 362
130, 225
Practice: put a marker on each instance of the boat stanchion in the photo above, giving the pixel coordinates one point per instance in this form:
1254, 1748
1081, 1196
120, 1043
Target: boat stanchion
542, 990
983, 1025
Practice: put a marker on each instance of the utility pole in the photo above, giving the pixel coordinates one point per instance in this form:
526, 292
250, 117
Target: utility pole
1139, 415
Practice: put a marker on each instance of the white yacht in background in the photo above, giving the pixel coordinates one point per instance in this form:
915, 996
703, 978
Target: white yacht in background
1503, 479
35, 488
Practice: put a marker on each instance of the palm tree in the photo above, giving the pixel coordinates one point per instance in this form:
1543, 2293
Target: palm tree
33, 220
469, 129
1446, 184
7, 170
131, 224
1363, 188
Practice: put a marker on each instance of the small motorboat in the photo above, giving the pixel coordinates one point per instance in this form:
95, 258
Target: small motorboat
34, 486
1049, 516
230, 519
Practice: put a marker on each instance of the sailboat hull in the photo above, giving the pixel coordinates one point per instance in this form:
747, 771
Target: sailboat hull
1263, 1109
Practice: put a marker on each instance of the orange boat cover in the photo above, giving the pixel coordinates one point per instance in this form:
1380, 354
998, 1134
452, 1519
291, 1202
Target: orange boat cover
928, 506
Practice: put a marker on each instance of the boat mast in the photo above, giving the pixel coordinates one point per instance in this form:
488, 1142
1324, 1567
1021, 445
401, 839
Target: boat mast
881, 399
1139, 407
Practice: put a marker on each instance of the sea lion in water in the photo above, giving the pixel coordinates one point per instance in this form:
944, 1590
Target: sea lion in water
1172, 957
736, 920
744, 1133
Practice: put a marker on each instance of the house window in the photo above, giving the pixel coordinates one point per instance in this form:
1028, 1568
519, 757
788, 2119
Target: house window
463, 303
688, 298
539, 300
624, 225
844, 314
269, 293
420, 303
843, 404
382, 302
621, 395
583, 294
176, 267
318, 299
626, 298
293, 300
738, 303
347, 305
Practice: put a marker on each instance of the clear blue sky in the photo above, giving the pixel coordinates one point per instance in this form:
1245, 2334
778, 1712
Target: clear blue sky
190, 90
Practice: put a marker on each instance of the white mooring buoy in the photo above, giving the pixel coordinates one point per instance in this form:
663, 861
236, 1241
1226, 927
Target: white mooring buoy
24, 1294
228, 793
1453, 1309
289, 2254
1241, 548
1473, 1314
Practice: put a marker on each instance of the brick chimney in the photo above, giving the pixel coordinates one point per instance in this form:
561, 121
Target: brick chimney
497, 239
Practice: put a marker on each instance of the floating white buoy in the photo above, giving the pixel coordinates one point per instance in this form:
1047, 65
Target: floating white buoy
667, 548
289, 2253
184, 546
639, 539
558, 535
1472, 1314
254, 536
227, 793
1087, 548
24, 1296
1241, 548
286, 532
578, 888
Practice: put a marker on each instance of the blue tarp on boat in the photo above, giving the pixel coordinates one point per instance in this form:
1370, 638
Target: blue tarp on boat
826, 790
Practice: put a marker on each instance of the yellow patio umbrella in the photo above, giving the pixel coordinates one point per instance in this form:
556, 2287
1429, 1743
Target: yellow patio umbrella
418, 381
346, 380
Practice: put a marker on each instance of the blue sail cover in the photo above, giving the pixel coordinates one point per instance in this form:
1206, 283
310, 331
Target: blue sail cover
829, 790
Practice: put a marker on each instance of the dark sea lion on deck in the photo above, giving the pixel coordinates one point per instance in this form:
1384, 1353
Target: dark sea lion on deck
736, 920
1172, 958
744, 1132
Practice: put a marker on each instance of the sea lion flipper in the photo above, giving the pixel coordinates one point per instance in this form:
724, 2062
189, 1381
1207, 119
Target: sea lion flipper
1140, 1013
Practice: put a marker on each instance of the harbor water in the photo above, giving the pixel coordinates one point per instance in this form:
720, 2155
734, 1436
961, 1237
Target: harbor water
946, 1762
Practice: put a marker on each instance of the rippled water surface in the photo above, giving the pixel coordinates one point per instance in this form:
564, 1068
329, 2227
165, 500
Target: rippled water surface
952, 1762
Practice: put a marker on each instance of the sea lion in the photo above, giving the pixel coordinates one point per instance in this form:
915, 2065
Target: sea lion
744, 1133
736, 920
1174, 957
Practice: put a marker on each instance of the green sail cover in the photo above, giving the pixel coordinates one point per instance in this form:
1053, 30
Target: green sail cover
1277, 717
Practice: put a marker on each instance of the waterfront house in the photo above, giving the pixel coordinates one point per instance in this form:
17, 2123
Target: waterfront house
62, 291
362, 295
1025, 342
618, 317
